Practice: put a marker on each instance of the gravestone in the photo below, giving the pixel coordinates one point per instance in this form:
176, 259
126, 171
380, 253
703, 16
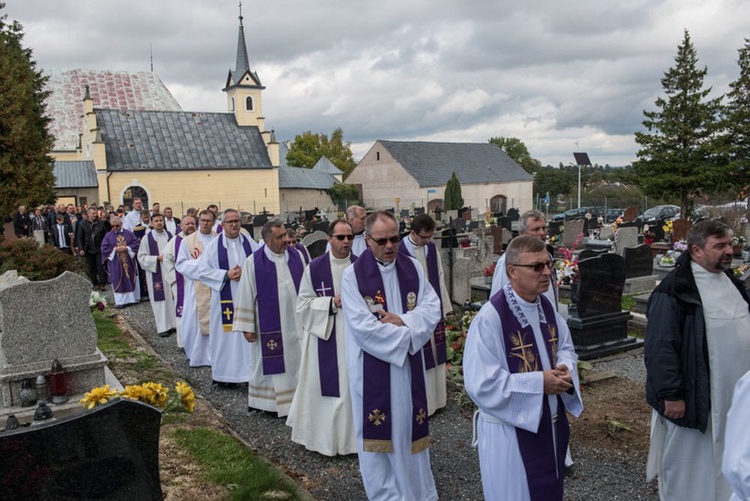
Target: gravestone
505, 222
418, 211
459, 225
624, 238
315, 243
658, 230
30, 341
639, 270
572, 230
680, 229
588, 253
597, 324
630, 214
404, 213
261, 219
507, 236
606, 233
448, 238
473, 226
110, 452
321, 226
513, 214
554, 228
497, 236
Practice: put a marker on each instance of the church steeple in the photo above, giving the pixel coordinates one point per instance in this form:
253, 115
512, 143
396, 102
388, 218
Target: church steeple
242, 66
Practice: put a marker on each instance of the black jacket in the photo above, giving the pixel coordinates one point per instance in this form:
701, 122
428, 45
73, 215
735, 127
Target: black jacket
676, 352
67, 231
89, 236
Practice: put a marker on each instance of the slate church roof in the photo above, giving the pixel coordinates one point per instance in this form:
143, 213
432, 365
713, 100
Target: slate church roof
325, 165
169, 140
432, 164
75, 174
120, 90
303, 178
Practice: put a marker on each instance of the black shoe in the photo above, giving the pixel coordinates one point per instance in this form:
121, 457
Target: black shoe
165, 334
120, 306
229, 386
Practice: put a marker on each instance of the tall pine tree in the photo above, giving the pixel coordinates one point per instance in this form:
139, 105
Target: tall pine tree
452, 200
676, 157
25, 167
735, 139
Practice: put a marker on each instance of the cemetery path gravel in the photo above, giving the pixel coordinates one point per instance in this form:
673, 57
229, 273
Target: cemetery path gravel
598, 474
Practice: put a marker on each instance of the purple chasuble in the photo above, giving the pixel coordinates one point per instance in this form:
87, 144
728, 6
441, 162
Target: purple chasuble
180, 281
303, 250
376, 404
537, 449
328, 364
269, 316
123, 269
226, 302
157, 279
433, 276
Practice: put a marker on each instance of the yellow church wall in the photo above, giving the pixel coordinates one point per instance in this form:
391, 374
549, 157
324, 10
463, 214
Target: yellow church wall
245, 190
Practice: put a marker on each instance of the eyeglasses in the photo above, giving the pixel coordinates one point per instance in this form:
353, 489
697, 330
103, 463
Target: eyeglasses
232, 221
382, 241
342, 237
425, 237
537, 267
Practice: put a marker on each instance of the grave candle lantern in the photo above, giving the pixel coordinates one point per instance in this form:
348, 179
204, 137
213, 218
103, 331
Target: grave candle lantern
58, 384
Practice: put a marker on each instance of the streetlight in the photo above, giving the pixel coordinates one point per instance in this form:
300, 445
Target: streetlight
581, 160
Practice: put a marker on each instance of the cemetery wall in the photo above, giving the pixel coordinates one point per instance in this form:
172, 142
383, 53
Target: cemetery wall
292, 200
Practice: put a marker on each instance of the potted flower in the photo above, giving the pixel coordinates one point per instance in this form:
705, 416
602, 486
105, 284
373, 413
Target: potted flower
679, 247
567, 268
488, 273
738, 242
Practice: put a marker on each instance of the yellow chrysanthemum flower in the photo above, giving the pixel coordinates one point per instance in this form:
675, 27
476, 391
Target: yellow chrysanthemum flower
156, 394
134, 392
187, 397
98, 396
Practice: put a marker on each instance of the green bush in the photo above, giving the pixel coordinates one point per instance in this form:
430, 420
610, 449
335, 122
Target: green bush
35, 262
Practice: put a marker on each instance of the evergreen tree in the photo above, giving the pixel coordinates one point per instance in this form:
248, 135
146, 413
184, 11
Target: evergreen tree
25, 167
452, 200
517, 150
676, 157
735, 139
307, 148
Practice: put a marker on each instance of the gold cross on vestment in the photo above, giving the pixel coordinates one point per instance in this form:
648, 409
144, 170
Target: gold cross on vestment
421, 415
376, 417
553, 342
228, 313
520, 351
272, 345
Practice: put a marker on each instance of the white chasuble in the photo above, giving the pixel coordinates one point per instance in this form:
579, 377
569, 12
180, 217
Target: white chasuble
170, 277
163, 310
398, 474
323, 424
273, 392
507, 401
688, 462
229, 350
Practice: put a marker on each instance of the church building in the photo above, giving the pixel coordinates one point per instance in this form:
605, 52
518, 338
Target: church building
125, 133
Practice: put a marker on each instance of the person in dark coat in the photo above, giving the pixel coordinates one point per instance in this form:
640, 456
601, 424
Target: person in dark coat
89, 236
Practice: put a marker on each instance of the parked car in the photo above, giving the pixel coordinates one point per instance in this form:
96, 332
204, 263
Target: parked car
572, 214
659, 213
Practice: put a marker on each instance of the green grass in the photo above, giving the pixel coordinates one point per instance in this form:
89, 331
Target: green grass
110, 339
628, 303
229, 463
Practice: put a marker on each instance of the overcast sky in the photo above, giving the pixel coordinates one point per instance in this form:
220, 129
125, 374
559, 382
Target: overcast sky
563, 76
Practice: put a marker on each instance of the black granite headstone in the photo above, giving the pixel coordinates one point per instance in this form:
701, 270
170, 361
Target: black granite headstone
404, 213
448, 238
310, 214
639, 261
321, 226
513, 215
459, 225
589, 253
658, 230
260, 220
317, 248
110, 453
554, 228
505, 222
473, 225
418, 211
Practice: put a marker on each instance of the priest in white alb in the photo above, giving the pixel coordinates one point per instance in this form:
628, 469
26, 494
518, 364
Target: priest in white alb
150, 257
196, 312
321, 414
520, 369
390, 312
220, 267
267, 296
418, 244
174, 278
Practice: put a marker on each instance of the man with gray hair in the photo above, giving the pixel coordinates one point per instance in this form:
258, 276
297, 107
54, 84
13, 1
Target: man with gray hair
531, 223
265, 312
356, 216
697, 348
220, 268
520, 370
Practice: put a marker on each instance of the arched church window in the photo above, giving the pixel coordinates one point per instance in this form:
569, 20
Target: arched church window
134, 192
249, 103
231, 104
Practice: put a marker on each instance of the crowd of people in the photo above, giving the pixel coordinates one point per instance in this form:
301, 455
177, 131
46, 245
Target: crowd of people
350, 346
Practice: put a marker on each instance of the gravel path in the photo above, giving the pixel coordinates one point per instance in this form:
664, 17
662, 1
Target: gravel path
596, 475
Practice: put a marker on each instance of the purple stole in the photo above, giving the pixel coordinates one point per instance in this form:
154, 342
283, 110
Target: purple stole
226, 302
376, 404
302, 250
522, 354
433, 276
153, 249
269, 316
180, 280
328, 364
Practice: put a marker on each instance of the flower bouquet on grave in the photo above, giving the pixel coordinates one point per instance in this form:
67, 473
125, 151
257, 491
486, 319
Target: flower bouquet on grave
680, 246
154, 394
615, 224
667, 230
740, 270
567, 267
97, 301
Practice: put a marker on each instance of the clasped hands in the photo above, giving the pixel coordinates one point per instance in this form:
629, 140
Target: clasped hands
557, 380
